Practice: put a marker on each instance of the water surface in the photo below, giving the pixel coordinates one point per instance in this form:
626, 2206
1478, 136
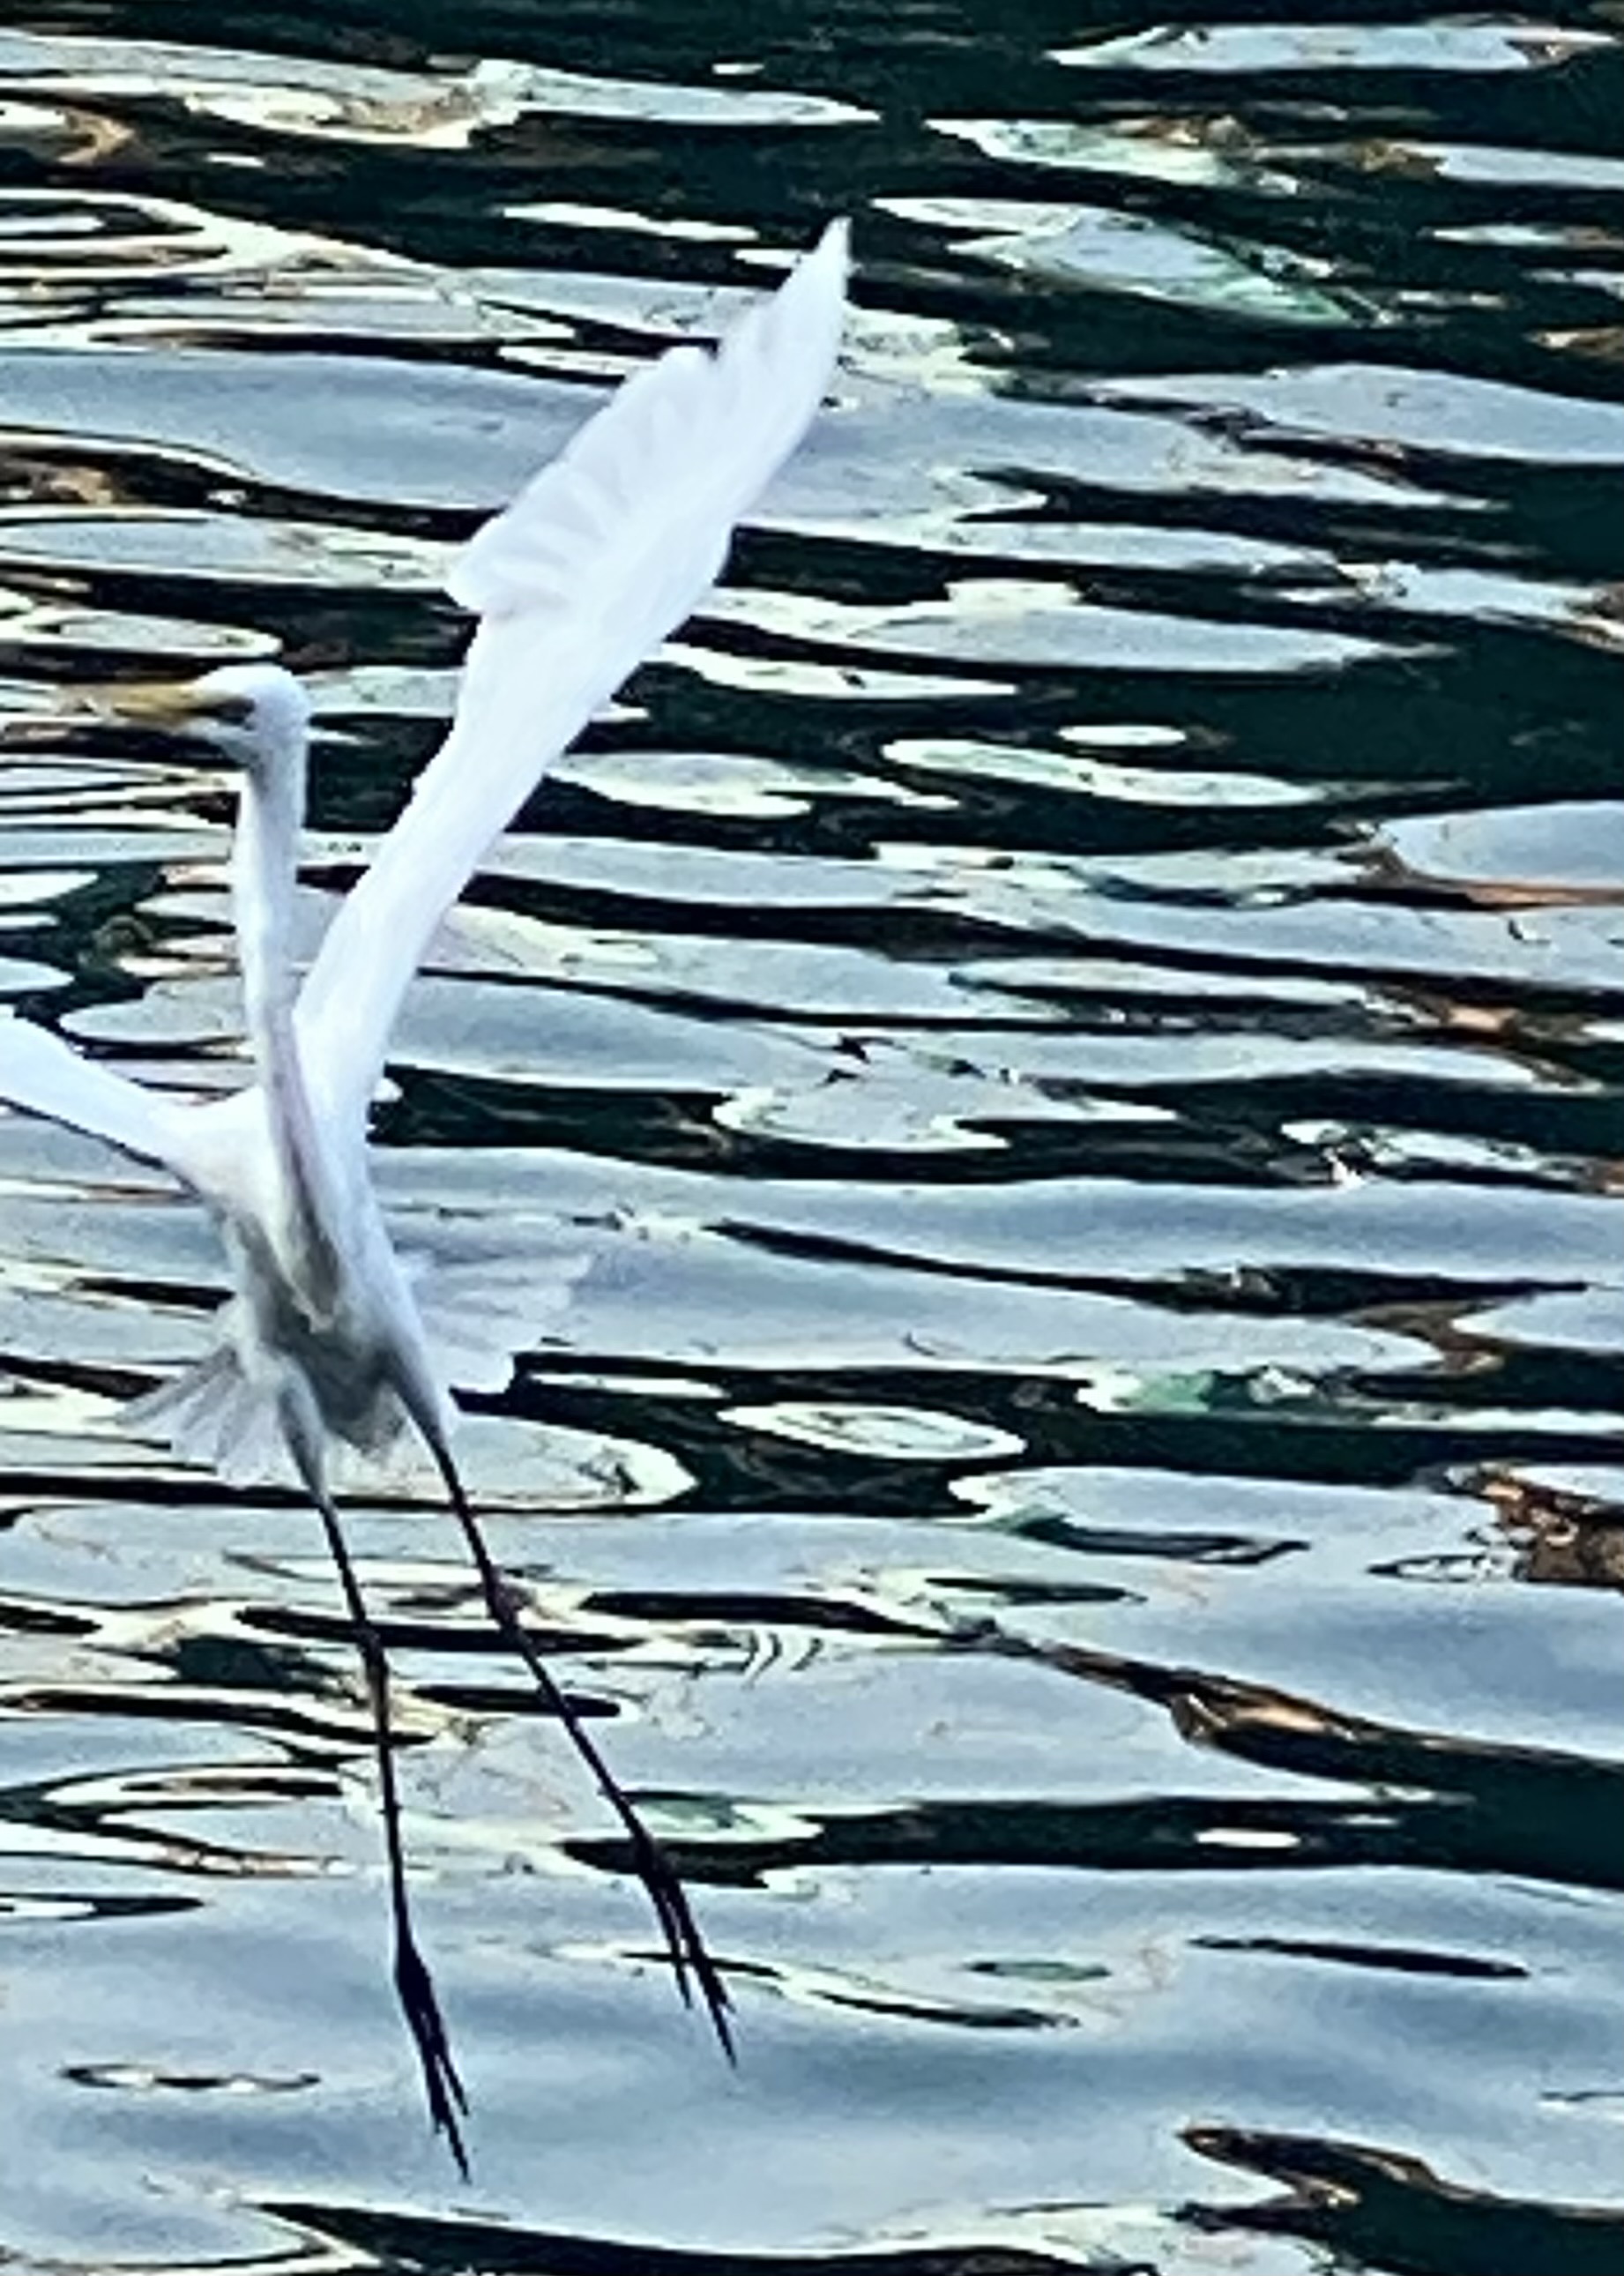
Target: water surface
1077, 1013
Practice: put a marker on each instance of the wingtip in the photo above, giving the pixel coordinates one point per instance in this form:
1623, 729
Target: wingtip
828, 266
757, 394
835, 245
816, 292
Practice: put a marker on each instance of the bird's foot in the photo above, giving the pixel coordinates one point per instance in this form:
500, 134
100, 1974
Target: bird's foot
448, 2103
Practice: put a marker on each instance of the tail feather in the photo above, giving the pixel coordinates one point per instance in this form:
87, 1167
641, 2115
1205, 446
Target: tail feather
213, 1416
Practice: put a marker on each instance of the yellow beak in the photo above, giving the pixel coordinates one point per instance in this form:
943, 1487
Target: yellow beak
165, 702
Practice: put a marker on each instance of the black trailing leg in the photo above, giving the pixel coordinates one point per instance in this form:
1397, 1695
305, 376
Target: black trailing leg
690, 1957
414, 1984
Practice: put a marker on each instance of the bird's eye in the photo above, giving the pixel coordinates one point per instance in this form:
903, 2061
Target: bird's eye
235, 709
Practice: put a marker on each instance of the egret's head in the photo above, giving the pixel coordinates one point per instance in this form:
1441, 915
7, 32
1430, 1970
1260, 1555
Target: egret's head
256, 715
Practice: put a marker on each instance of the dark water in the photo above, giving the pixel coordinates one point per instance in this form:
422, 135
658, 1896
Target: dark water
1079, 1013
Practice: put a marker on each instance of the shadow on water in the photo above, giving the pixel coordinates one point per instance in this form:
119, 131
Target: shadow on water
1076, 1012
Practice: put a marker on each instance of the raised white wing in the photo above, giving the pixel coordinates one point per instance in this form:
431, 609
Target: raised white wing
597, 560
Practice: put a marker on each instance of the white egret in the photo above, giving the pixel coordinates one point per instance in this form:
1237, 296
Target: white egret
598, 559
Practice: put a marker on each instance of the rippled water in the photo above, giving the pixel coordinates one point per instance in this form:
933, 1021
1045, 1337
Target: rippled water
1079, 1011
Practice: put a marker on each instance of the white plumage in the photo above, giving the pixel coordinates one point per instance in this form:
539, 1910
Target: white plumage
599, 557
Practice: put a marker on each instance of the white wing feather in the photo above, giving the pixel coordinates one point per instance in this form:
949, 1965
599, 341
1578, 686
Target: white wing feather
597, 561
42, 1074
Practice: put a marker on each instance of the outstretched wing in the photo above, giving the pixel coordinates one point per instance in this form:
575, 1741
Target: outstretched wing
599, 559
42, 1074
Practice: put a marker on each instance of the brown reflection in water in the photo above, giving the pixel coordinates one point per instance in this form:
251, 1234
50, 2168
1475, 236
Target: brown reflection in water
1382, 2209
1569, 1539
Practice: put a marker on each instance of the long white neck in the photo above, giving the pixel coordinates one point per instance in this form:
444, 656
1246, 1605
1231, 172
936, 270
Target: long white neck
264, 876
264, 879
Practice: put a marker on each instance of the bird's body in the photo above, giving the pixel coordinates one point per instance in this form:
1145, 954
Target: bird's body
592, 565
323, 1315
602, 556
322, 1339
